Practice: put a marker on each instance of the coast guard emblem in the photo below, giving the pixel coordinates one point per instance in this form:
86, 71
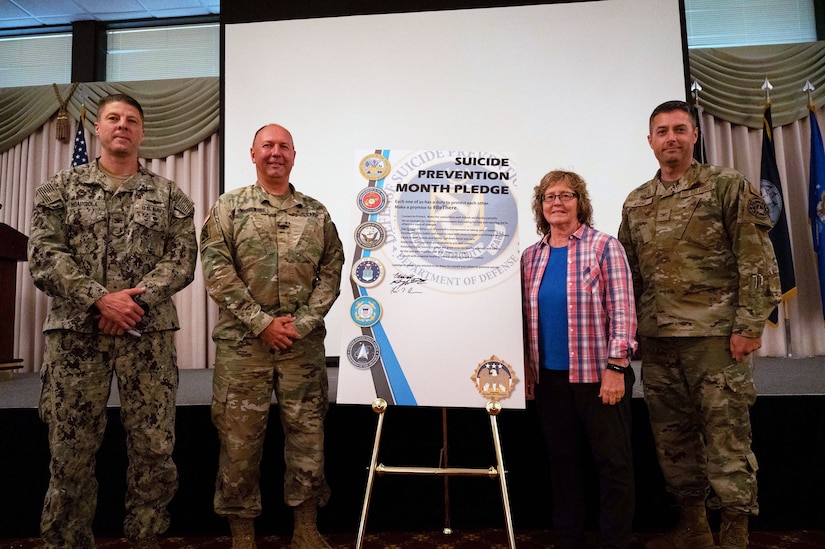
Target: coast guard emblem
365, 311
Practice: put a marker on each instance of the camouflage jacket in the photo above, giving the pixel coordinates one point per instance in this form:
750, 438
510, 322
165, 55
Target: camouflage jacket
700, 255
262, 259
87, 241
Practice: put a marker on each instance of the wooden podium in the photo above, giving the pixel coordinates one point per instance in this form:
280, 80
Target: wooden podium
12, 249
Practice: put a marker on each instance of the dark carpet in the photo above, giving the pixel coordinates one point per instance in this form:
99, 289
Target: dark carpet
477, 539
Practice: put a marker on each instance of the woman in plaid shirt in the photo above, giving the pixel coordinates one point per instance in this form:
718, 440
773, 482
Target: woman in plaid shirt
580, 328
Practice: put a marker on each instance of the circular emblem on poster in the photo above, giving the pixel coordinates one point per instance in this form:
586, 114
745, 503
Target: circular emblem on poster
363, 352
370, 235
374, 167
494, 379
372, 200
365, 311
368, 272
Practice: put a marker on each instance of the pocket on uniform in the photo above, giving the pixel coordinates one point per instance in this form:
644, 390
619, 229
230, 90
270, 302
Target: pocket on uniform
80, 234
149, 231
220, 390
738, 379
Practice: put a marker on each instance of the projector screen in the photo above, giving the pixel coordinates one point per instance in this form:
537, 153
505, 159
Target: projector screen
551, 86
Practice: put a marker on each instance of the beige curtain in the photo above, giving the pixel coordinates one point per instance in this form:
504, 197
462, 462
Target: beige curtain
39, 155
180, 113
732, 103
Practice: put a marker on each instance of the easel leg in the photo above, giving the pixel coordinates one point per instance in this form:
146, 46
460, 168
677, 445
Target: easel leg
379, 406
445, 464
493, 408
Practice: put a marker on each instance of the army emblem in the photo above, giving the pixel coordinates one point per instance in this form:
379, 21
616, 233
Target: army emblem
372, 200
370, 235
374, 167
363, 352
368, 272
494, 378
365, 311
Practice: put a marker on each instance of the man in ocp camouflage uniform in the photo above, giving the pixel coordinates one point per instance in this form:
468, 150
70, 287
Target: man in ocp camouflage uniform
111, 242
705, 280
272, 261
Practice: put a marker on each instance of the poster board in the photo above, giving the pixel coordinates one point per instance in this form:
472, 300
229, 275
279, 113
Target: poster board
433, 281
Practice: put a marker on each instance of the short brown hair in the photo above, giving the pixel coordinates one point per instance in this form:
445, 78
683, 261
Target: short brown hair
584, 208
119, 98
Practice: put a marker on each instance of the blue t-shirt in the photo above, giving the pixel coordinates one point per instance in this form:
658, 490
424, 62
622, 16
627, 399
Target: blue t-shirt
553, 341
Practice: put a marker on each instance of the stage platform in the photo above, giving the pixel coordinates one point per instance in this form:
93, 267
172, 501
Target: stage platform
789, 441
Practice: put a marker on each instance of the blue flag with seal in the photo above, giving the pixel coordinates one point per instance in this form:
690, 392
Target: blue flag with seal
816, 202
80, 154
771, 188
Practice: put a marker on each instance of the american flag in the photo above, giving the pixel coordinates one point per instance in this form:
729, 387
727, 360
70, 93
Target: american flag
79, 156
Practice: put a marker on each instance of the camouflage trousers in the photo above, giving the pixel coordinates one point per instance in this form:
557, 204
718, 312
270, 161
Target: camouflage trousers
699, 400
77, 375
246, 372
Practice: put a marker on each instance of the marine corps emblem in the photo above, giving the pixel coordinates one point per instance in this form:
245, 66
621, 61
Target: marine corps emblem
372, 200
368, 272
374, 167
494, 378
363, 352
370, 235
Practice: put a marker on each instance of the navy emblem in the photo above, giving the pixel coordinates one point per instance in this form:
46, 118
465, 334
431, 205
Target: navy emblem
368, 272
363, 352
370, 235
494, 378
365, 311
374, 167
372, 200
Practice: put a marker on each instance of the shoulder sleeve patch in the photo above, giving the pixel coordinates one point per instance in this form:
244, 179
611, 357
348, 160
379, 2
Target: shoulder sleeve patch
755, 208
184, 206
48, 195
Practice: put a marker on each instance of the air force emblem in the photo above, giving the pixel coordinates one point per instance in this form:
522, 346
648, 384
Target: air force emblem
368, 272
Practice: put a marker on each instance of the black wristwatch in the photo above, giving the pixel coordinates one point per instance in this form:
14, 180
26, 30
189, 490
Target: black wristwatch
615, 368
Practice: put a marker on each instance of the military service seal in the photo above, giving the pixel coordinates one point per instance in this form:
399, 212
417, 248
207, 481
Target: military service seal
374, 167
365, 311
372, 200
363, 352
370, 235
368, 272
494, 378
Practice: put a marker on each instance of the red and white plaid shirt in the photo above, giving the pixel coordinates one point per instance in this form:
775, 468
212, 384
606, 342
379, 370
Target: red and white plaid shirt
601, 312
